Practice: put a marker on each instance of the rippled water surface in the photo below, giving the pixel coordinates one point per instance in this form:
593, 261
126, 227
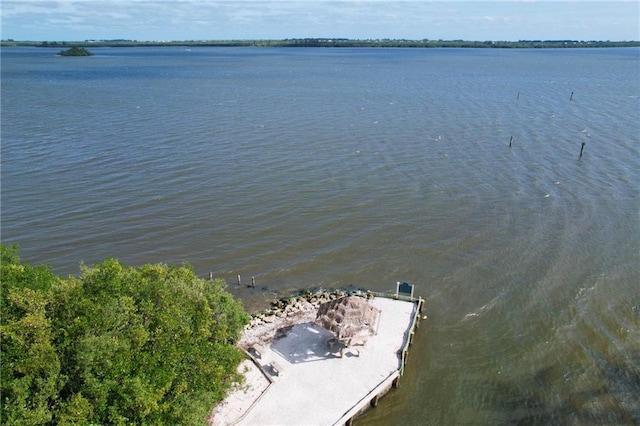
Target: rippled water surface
311, 168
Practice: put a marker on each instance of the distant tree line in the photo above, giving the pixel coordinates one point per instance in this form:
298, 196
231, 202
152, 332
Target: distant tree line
150, 345
336, 42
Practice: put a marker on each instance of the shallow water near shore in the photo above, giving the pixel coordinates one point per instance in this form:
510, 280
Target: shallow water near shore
325, 168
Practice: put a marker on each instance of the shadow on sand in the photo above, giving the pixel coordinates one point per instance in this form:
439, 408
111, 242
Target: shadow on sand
306, 342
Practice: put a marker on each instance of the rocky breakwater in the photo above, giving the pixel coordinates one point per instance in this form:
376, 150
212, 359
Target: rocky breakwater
274, 322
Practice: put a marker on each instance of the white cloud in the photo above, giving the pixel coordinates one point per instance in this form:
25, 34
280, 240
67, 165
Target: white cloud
199, 19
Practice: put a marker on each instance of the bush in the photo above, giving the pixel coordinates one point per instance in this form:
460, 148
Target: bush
75, 51
116, 345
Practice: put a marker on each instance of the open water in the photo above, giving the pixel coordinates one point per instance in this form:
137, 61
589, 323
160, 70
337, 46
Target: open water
311, 168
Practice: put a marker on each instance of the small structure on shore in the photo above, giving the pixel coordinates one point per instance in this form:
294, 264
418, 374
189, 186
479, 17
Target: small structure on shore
291, 362
348, 318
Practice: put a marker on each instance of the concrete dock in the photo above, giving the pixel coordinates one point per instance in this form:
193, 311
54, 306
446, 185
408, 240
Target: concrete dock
300, 379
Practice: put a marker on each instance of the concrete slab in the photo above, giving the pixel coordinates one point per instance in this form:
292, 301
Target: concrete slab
313, 384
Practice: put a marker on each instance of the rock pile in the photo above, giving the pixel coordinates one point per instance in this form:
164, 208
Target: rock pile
286, 312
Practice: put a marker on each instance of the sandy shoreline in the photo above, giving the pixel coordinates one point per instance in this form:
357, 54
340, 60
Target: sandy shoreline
261, 331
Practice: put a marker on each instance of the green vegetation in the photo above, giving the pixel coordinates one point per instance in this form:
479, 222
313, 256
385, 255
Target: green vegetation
75, 51
116, 345
336, 42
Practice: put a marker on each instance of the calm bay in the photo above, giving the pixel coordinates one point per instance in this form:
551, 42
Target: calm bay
324, 168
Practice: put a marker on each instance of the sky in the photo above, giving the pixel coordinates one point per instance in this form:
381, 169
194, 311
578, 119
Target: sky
158, 20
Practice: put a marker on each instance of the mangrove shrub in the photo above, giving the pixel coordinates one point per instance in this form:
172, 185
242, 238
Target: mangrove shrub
116, 345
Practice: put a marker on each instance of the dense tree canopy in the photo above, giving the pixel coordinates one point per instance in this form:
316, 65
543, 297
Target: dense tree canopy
338, 42
116, 345
75, 51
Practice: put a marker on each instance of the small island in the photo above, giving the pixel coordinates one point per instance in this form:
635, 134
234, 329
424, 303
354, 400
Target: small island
75, 51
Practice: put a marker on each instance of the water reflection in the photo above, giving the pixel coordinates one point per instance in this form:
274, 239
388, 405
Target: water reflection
606, 392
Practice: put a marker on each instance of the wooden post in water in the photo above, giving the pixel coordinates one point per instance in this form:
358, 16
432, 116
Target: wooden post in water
571, 97
253, 281
510, 140
239, 280
210, 275
374, 400
582, 148
518, 97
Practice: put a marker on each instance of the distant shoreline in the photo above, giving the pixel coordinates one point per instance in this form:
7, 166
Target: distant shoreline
332, 42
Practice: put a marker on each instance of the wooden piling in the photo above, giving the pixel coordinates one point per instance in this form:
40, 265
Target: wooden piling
253, 281
239, 280
210, 276
374, 400
582, 148
510, 140
571, 97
